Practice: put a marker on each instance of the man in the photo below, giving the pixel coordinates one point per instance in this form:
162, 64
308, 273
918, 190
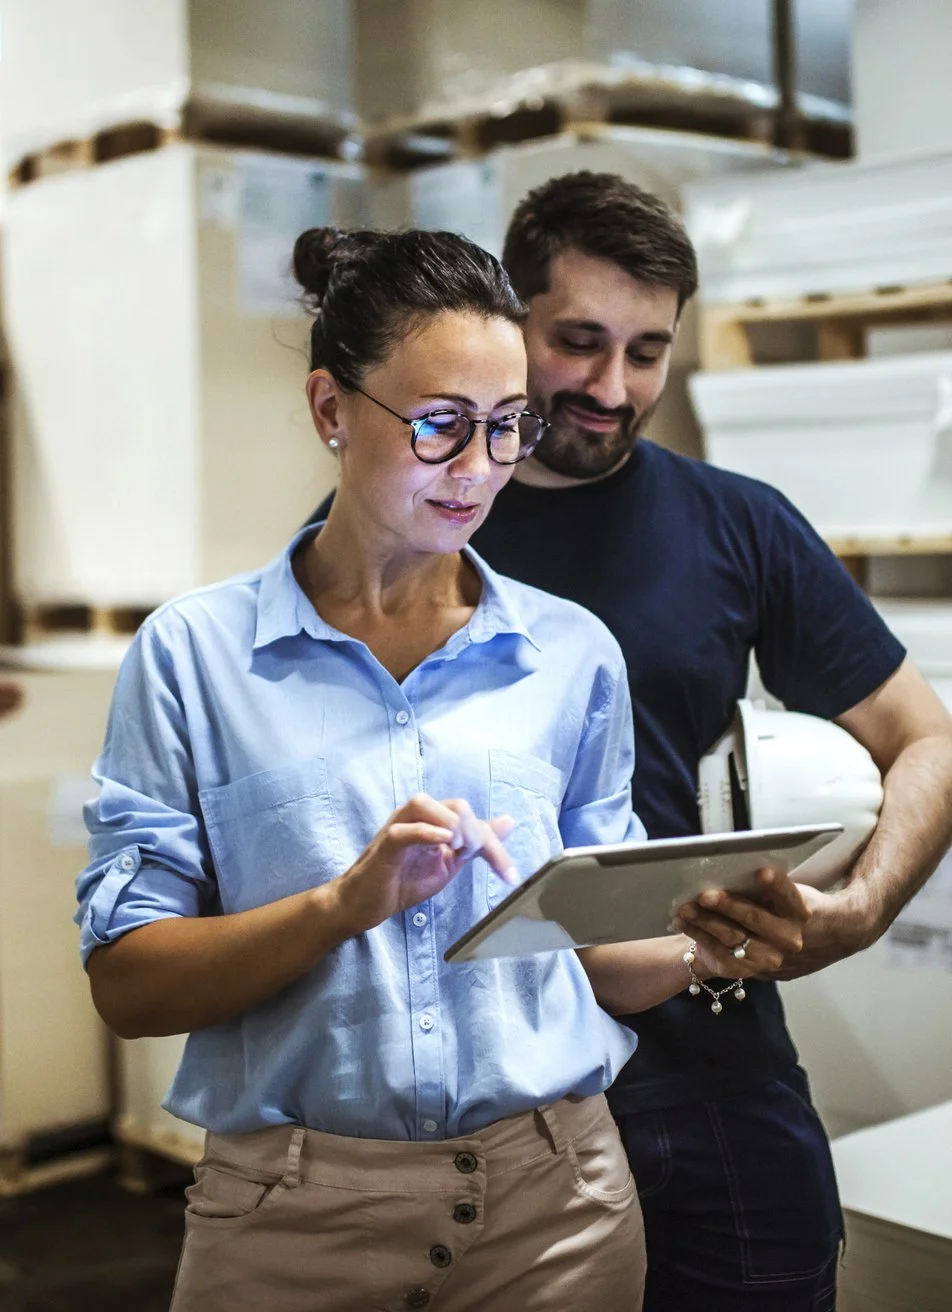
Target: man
693, 568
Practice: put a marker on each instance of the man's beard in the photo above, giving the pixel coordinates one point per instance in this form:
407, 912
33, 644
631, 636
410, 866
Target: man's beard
570, 449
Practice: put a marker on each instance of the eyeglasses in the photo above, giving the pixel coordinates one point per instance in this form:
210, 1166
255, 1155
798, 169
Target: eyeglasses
442, 434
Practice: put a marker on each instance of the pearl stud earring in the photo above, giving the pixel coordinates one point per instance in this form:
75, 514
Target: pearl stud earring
333, 443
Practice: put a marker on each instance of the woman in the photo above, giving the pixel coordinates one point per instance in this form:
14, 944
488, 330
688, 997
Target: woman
316, 777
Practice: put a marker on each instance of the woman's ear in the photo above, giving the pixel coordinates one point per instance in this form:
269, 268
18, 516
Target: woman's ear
324, 402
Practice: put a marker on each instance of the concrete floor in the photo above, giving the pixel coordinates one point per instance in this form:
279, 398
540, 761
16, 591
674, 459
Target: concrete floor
90, 1246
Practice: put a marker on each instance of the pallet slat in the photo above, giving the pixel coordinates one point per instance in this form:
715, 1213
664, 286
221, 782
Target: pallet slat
840, 318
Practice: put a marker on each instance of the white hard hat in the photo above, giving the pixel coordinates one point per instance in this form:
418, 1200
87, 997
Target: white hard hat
776, 768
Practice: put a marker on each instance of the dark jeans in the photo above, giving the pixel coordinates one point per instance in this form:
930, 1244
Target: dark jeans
740, 1202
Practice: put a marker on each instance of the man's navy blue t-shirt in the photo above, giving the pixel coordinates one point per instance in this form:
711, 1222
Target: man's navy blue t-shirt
692, 568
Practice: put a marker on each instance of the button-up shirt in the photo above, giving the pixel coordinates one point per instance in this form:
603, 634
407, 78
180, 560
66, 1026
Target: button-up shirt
253, 751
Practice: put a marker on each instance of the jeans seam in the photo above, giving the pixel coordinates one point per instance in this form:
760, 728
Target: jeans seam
750, 1278
664, 1144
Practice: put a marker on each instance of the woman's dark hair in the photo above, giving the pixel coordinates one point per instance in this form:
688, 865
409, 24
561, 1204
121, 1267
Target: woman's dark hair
368, 290
602, 215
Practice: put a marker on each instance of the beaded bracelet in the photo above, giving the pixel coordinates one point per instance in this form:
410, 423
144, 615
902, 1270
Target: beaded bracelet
694, 988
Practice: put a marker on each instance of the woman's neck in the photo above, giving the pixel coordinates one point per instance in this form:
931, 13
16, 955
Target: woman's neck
403, 603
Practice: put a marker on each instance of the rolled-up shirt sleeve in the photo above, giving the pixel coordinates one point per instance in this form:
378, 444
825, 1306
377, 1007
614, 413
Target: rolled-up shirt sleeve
148, 856
597, 806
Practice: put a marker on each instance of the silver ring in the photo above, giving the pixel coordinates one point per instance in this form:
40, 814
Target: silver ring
741, 951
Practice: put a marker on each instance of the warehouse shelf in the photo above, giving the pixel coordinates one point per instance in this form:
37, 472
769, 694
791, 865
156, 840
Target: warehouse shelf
840, 319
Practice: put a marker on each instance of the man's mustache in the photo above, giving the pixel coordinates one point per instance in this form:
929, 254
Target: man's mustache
582, 401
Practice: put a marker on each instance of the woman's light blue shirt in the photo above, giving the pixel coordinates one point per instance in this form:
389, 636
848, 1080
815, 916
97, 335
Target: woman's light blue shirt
253, 752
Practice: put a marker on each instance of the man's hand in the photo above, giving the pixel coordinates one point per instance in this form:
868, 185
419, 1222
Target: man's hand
841, 923
773, 929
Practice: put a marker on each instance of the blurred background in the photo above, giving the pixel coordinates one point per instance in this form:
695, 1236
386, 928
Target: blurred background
158, 160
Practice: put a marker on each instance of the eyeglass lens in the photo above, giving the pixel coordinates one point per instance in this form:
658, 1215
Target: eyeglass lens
439, 435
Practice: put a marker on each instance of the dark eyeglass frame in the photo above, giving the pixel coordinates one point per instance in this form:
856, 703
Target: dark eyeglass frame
413, 425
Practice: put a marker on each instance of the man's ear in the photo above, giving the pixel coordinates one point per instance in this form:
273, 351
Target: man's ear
324, 402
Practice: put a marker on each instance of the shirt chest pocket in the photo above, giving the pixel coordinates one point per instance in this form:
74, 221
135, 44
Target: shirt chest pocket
530, 790
273, 834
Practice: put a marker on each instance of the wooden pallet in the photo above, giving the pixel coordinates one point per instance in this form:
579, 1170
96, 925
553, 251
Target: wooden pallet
43, 1159
840, 319
34, 623
330, 138
583, 103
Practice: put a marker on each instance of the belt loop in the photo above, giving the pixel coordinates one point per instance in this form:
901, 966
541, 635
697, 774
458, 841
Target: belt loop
550, 1118
292, 1171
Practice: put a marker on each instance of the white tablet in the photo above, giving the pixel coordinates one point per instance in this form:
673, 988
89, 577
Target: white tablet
614, 894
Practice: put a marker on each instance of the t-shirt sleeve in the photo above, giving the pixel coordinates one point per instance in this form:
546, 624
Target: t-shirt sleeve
821, 647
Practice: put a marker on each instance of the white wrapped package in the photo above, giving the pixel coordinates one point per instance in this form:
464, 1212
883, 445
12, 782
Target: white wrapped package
863, 448
160, 431
72, 69
825, 228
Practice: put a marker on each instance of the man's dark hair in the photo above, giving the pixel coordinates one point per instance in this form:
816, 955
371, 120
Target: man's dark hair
368, 290
602, 215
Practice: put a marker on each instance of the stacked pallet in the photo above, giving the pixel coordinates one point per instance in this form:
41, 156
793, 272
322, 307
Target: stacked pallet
161, 160
159, 434
55, 1083
449, 80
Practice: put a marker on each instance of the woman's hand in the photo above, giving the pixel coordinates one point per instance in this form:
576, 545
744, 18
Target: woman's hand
421, 848
771, 930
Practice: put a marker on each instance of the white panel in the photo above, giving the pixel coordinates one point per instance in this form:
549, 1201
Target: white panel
278, 54
477, 197
925, 630
433, 53
861, 447
902, 90
101, 309
873, 1038
69, 69
146, 1069
732, 40
53, 1068
112, 62
161, 433
824, 228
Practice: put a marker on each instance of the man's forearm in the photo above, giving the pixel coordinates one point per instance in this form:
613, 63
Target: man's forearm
914, 830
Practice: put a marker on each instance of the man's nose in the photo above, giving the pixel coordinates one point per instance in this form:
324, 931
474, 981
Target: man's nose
606, 381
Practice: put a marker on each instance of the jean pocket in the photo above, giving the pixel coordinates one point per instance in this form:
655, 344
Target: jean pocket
781, 1181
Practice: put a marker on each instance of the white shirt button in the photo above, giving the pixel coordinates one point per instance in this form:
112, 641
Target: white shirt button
127, 863
426, 1021
402, 717
419, 920
430, 1127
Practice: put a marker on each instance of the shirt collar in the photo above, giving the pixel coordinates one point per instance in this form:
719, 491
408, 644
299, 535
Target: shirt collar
284, 611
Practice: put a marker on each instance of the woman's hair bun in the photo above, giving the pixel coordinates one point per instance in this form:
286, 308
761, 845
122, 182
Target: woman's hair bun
319, 251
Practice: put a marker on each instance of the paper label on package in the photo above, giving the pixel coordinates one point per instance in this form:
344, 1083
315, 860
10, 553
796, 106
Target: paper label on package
921, 935
68, 796
219, 197
463, 197
278, 202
